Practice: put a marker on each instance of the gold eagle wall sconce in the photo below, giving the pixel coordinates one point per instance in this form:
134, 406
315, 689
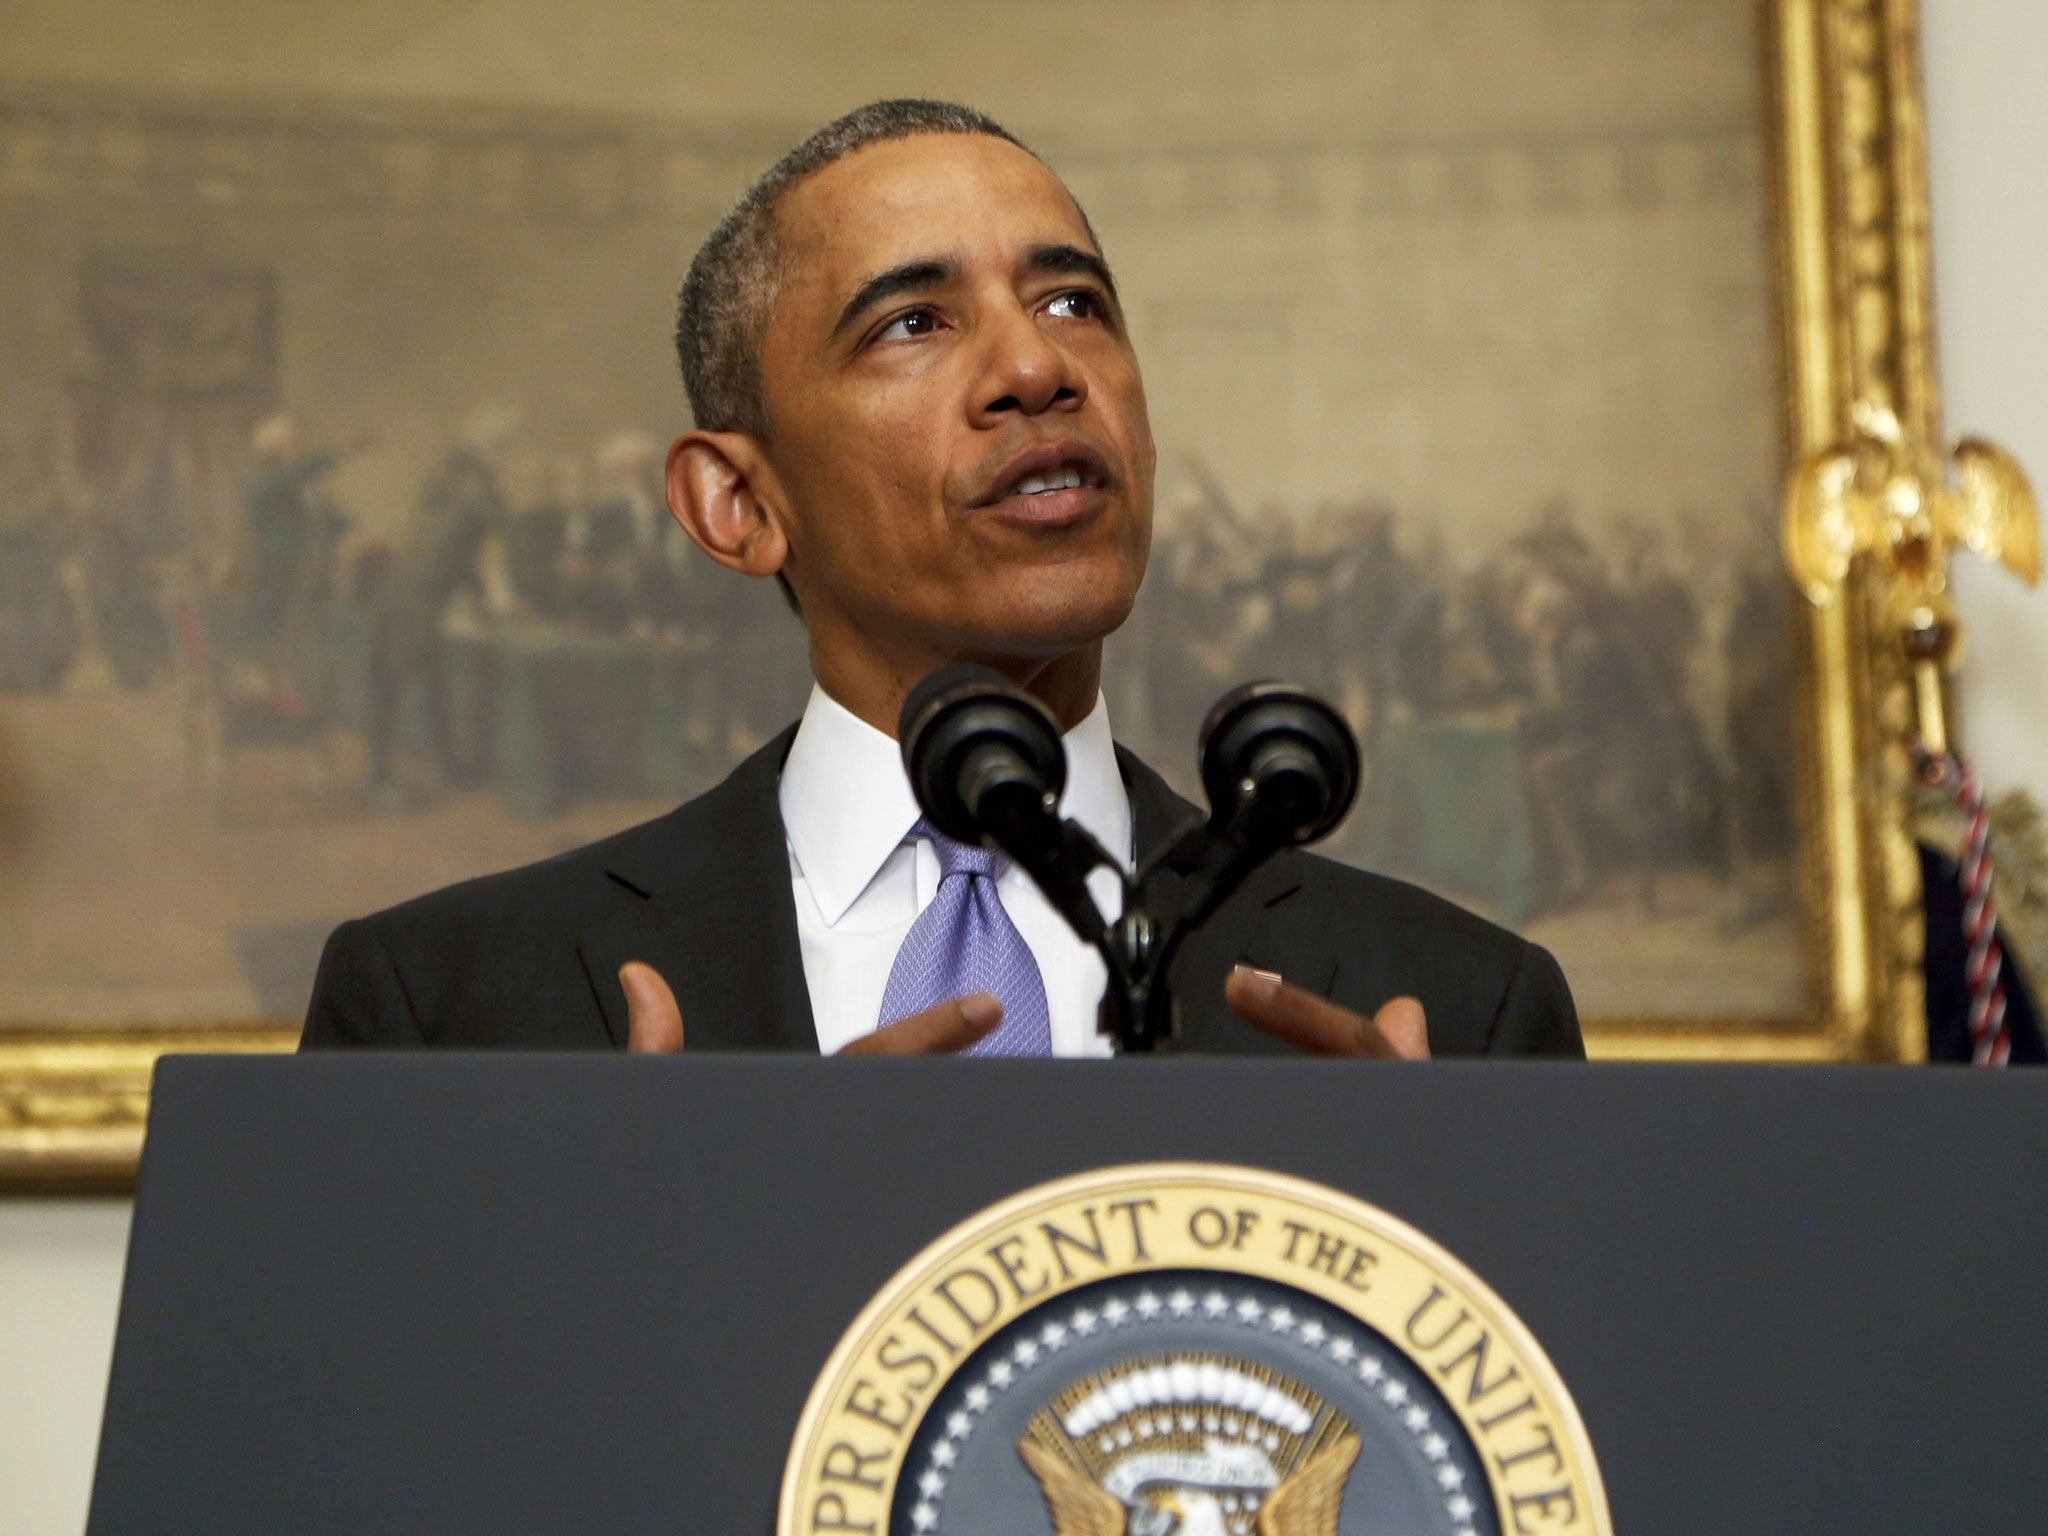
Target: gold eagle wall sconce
1903, 506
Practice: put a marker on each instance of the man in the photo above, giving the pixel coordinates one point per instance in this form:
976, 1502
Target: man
462, 508
291, 528
918, 407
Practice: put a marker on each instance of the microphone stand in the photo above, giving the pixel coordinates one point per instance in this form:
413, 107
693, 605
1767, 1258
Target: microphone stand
1169, 897
1279, 767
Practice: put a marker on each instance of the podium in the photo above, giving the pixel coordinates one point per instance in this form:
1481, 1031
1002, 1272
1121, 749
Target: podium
523, 1293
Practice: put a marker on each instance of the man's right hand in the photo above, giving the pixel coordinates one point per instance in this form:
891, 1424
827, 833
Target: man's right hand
655, 1021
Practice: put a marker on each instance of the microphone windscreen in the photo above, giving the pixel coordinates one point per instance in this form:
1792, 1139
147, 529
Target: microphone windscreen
935, 686
1278, 748
963, 730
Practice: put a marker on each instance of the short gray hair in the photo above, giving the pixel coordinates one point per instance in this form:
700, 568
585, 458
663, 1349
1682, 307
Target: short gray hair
722, 311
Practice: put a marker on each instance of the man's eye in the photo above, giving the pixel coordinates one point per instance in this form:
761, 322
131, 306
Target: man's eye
907, 327
1079, 304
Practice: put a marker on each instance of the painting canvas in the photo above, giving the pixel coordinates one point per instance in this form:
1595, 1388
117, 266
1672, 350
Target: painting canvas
333, 565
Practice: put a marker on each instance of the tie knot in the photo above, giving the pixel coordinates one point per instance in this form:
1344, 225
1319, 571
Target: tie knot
956, 857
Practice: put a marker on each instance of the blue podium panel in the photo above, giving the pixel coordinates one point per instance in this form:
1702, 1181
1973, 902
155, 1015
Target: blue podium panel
513, 1294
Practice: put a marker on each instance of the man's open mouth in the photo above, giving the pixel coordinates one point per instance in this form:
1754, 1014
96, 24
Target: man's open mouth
1067, 478
1047, 471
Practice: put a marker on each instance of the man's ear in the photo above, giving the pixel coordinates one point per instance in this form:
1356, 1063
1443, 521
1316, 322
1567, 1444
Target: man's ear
724, 493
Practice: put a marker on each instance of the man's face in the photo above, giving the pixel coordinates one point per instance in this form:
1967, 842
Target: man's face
959, 426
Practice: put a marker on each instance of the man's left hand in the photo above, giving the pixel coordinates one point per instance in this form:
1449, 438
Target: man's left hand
1319, 1026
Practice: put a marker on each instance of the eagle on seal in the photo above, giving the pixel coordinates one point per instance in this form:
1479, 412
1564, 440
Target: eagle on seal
1307, 1503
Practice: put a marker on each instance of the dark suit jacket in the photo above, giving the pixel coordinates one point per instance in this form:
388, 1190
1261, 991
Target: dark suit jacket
531, 957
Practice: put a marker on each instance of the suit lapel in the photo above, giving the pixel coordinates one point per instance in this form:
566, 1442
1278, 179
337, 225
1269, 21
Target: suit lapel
1256, 910
703, 895
1157, 811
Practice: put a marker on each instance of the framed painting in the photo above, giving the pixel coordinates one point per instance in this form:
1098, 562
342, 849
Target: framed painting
1479, 339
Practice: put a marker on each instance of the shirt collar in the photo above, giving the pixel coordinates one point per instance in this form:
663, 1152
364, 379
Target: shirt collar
847, 804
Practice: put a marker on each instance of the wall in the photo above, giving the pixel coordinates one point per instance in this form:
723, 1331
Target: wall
1989, 126
60, 1280
60, 1260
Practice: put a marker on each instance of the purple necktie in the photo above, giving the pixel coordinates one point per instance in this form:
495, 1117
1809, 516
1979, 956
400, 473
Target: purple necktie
965, 942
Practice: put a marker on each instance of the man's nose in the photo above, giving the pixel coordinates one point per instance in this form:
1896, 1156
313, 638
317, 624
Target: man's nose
1024, 370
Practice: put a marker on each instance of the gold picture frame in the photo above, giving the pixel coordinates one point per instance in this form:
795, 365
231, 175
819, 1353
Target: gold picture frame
1856, 329
1850, 215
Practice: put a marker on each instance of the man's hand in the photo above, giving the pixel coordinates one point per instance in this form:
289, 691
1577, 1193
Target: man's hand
939, 1031
655, 1022
1318, 1026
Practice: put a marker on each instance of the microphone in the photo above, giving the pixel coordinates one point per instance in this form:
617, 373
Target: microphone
987, 765
1280, 767
985, 758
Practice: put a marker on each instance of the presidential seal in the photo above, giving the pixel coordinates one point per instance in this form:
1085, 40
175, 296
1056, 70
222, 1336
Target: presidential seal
1184, 1349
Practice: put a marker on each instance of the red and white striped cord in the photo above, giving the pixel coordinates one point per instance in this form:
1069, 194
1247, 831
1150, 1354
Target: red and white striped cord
1990, 1038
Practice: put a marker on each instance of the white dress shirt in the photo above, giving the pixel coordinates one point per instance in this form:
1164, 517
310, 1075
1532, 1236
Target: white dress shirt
861, 879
